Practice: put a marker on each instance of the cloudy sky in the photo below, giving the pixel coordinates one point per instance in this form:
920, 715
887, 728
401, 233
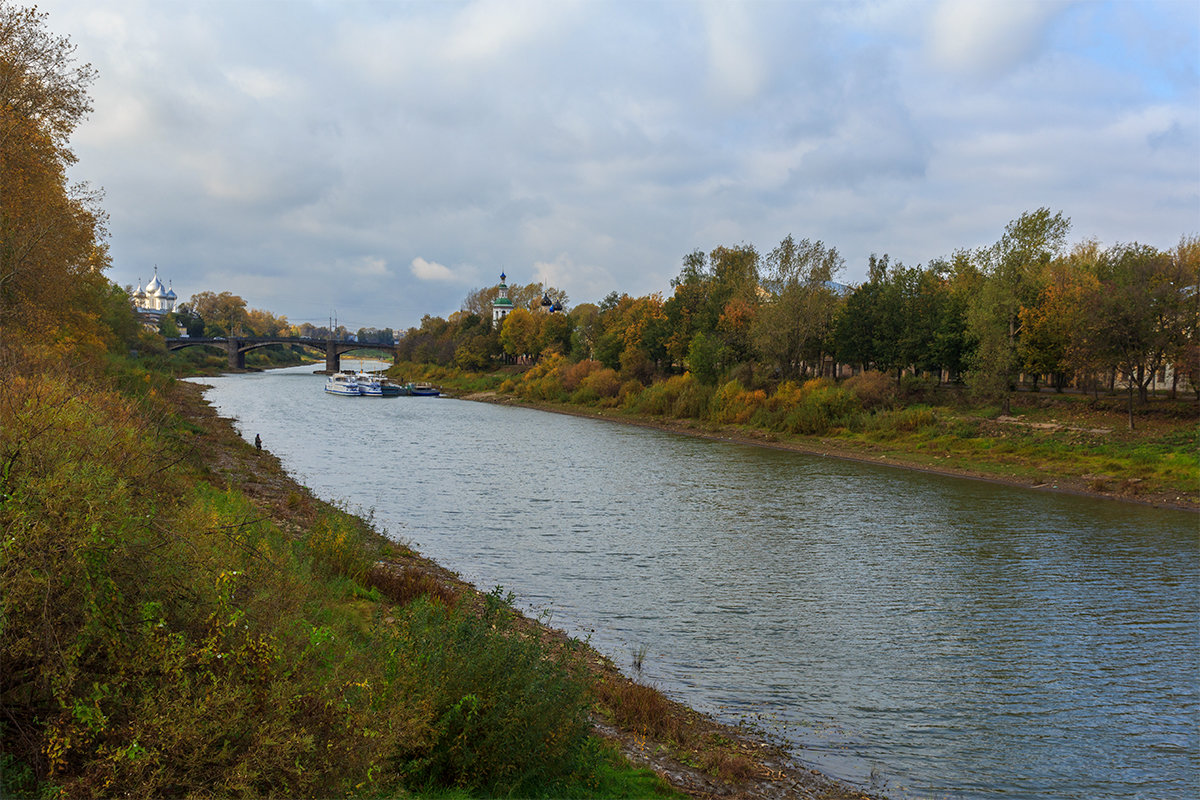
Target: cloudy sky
381, 159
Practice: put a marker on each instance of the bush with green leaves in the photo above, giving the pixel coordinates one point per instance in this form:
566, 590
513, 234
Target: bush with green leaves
502, 715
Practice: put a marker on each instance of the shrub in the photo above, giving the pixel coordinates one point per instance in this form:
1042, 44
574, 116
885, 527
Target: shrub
584, 397
574, 375
604, 382
916, 389
640, 708
544, 380
338, 547
408, 584
907, 420
501, 716
873, 389
732, 404
787, 396
822, 409
659, 397
694, 399
630, 393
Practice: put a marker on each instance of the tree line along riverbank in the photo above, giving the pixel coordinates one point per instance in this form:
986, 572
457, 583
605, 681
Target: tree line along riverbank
1052, 441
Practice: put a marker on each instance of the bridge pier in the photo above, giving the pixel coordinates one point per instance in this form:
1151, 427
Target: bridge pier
333, 360
237, 356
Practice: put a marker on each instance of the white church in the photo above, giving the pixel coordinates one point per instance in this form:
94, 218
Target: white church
153, 300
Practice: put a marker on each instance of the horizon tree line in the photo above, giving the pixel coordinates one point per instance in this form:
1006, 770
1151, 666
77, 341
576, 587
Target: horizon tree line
1028, 308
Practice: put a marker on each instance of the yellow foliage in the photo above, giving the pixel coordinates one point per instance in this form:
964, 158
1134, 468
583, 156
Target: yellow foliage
733, 404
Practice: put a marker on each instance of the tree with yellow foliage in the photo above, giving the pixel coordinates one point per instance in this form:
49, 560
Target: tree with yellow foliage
51, 235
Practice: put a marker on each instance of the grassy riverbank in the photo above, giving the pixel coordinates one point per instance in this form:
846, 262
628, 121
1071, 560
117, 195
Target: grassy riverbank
1055, 442
181, 617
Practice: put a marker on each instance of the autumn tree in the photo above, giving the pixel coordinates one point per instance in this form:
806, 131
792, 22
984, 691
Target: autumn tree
1053, 328
555, 334
643, 335
431, 343
476, 342
224, 314
519, 333
264, 323
51, 235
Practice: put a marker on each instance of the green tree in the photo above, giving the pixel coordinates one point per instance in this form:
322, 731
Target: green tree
706, 358
865, 328
1012, 269
187, 320
585, 327
794, 324
688, 310
1138, 307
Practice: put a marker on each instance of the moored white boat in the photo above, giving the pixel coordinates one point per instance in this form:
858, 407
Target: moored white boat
369, 385
342, 383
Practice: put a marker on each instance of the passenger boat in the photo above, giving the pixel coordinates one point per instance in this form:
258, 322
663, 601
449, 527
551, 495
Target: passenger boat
369, 385
343, 383
422, 390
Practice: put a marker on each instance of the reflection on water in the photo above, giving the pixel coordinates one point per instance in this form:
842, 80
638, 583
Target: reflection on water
949, 638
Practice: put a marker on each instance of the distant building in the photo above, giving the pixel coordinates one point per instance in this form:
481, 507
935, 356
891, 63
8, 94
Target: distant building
549, 306
501, 306
153, 300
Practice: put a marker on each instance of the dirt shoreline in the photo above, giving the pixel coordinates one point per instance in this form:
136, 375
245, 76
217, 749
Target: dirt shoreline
714, 759
1068, 484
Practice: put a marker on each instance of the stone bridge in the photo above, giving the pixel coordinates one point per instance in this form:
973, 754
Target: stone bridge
237, 346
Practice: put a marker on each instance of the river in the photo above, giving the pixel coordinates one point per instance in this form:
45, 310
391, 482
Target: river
919, 635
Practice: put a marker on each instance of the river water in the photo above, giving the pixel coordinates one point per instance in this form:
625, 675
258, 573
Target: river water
919, 635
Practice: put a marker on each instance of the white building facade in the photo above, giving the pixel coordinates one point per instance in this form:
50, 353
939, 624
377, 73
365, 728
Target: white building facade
502, 306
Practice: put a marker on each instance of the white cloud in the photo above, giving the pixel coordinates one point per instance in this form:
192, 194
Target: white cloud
259, 84
433, 271
985, 38
366, 266
736, 70
591, 281
486, 29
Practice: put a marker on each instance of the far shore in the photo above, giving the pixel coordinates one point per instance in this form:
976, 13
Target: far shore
1069, 484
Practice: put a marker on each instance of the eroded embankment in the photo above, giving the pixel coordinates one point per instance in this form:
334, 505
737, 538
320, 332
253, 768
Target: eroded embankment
695, 754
